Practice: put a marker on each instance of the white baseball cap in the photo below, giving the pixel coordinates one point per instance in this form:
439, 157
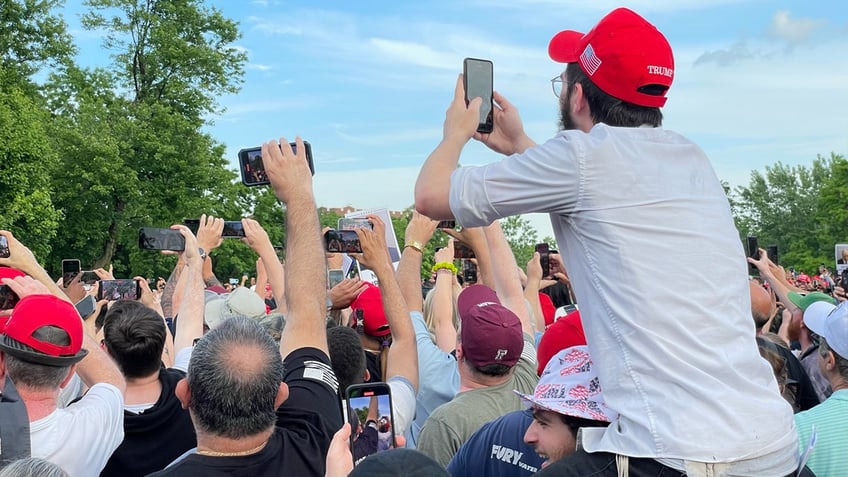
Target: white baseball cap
831, 323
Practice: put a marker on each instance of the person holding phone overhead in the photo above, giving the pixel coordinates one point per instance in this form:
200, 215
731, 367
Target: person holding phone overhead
693, 394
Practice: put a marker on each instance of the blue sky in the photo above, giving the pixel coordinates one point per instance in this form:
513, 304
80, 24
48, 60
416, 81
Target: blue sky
367, 83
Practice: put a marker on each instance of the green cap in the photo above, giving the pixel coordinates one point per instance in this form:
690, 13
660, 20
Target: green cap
803, 300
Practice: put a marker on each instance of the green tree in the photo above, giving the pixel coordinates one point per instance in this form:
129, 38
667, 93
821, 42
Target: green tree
134, 153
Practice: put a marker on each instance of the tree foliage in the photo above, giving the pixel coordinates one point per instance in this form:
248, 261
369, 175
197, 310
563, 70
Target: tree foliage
802, 210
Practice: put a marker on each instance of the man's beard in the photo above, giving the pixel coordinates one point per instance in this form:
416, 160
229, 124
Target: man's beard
565, 121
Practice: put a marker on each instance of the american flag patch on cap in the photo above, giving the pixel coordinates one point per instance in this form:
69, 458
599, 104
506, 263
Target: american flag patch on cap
589, 60
321, 372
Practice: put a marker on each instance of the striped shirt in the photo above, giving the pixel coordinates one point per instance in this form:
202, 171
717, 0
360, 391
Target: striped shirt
829, 457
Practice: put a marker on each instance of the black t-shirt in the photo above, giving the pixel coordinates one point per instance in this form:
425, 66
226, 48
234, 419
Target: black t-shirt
305, 426
157, 436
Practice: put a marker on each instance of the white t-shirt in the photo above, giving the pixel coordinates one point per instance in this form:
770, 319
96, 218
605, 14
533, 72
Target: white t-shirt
81, 437
645, 230
403, 403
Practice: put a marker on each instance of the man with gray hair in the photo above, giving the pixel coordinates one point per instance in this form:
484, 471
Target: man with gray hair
258, 409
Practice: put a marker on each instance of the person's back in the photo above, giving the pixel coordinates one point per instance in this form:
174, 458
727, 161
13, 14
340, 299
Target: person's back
498, 449
157, 429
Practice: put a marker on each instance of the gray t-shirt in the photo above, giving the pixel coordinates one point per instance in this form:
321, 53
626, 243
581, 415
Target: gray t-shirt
452, 423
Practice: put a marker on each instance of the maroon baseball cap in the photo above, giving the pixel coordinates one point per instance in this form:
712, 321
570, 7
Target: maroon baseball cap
490, 332
369, 316
36, 325
624, 55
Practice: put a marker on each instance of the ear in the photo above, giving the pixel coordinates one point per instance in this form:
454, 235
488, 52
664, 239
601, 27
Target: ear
578, 105
282, 395
460, 354
367, 375
69, 376
183, 392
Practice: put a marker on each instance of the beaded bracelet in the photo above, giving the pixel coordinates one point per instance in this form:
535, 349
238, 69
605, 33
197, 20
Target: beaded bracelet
445, 266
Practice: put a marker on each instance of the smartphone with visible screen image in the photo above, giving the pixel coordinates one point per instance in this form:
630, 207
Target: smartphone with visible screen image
70, 269
150, 238
342, 241
8, 298
4, 247
334, 277
544, 258
233, 229
253, 170
86, 306
460, 250
478, 76
368, 407
120, 289
357, 223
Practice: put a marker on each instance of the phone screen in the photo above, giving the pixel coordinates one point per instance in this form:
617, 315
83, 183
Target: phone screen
334, 277
460, 250
120, 289
233, 229
253, 170
4, 247
369, 409
753, 252
342, 241
544, 258
771, 251
70, 269
150, 238
86, 306
8, 298
479, 83
469, 272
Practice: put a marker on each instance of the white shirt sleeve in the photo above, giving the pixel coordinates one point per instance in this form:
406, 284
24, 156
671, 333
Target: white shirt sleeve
182, 359
403, 402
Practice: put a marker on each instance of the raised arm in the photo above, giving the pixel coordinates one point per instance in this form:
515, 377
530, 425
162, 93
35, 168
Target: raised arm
190, 317
419, 231
306, 266
507, 281
443, 303
531, 291
258, 239
21, 257
403, 352
476, 240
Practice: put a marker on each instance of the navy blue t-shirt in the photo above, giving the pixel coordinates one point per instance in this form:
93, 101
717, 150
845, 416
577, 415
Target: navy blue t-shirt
498, 450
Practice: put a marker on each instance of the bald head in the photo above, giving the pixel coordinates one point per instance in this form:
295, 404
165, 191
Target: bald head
761, 304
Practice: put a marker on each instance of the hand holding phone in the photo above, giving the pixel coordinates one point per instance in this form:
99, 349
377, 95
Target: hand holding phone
150, 238
253, 169
70, 269
460, 251
370, 406
4, 247
544, 258
753, 252
478, 76
342, 241
119, 289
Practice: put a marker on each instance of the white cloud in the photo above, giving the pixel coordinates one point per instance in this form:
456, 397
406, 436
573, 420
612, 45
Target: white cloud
258, 67
793, 30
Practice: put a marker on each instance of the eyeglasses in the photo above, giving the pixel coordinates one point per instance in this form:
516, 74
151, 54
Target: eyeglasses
556, 85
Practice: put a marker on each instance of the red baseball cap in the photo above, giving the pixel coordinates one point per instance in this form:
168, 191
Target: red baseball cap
623, 54
490, 332
548, 308
564, 333
368, 312
37, 324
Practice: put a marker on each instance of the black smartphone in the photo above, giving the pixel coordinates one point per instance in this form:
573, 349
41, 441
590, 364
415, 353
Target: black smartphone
335, 276
469, 272
70, 269
478, 76
120, 289
8, 298
192, 224
253, 170
844, 279
150, 238
460, 250
370, 406
447, 224
88, 277
771, 252
357, 223
342, 241
544, 258
233, 229
753, 252
86, 306
4, 247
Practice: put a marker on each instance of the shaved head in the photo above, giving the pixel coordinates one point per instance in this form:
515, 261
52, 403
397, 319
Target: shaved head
761, 304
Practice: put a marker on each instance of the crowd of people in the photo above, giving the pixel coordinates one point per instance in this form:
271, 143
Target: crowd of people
505, 372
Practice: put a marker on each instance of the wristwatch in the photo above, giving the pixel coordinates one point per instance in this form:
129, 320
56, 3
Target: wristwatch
202, 253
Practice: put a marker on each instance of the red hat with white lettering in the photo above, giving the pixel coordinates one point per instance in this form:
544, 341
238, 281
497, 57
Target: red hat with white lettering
624, 55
